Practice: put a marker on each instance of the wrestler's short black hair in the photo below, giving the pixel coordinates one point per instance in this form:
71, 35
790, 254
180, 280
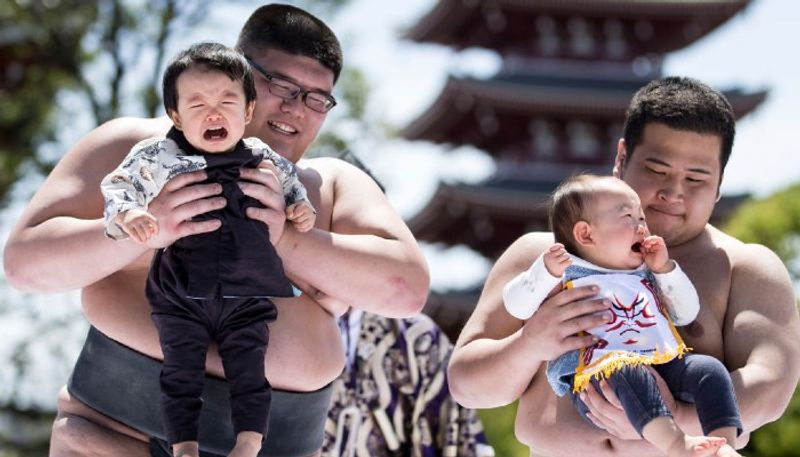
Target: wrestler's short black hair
291, 30
683, 104
211, 56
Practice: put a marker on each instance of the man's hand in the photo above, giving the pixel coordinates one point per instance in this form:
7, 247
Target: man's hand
606, 412
180, 200
262, 184
138, 224
302, 215
556, 323
654, 250
556, 260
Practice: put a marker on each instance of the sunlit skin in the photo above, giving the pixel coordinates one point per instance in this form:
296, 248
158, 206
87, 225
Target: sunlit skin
288, 126
675, 177
613, 234
212, 109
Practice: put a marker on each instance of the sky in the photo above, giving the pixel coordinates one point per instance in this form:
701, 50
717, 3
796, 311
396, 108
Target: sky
752, 51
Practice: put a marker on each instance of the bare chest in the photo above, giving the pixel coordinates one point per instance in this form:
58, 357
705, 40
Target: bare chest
711, 276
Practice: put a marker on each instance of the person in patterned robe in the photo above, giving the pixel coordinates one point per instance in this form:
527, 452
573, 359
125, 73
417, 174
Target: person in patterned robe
393, 399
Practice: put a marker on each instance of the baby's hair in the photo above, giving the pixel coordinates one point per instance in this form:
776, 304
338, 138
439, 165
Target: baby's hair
212, 56
570, 203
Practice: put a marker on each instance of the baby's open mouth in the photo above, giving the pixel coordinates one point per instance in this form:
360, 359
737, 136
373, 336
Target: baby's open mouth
215, 134
637, 247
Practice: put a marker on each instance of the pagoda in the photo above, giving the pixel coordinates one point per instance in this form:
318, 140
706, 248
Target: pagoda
555, 108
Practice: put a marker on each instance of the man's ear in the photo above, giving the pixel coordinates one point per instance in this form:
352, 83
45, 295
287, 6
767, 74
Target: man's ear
248, 112
620, 159
176, 118
582, 233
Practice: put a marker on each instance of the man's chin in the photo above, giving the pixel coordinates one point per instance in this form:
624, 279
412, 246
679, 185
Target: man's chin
281, 146
662, 224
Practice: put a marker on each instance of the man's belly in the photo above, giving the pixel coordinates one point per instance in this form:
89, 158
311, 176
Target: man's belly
304, 352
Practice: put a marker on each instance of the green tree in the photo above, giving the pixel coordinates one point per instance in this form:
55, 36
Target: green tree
40, 55
51, 46
774, 221
498, 424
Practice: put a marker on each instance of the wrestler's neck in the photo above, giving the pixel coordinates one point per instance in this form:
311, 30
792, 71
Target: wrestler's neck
699, 245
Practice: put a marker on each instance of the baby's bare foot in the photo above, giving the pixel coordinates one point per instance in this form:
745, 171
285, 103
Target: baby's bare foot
247, 445
727, 451
696, 446
186, 449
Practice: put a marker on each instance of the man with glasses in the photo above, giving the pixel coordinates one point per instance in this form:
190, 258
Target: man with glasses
319, 101
359, 254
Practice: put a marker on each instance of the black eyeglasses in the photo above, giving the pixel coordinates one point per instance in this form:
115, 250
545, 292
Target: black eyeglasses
287, 90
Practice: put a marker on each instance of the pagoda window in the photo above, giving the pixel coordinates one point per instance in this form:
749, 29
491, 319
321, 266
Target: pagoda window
537, 224
543, 139
644, 30
581, 41
692, 30
643, 66
616, 46
583, 141
547, 36
614, 132
495, 20
487, 121
464, 101
455, 208
482, 225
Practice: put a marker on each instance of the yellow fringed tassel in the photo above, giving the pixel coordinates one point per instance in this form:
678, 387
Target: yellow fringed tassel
610, 363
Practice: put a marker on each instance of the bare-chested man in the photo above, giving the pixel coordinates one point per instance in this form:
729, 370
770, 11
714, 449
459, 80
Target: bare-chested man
359, 254
677, 139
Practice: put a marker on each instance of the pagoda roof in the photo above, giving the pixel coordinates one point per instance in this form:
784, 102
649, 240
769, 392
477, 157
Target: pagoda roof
454, 110
465, 23
489, 216
451, 309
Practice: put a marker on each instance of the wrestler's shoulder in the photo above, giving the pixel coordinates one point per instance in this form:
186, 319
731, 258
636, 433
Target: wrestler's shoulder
532, 242
328, 170
736, 250
326, 165
108, 143
744, 256
134, 129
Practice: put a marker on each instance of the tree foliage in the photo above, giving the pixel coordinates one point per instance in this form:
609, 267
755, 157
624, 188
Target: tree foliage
40, 44
774, 221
